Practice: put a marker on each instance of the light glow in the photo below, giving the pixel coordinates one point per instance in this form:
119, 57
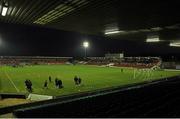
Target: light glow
156, 29
175, 44
86, 44
4, 11
113, 32
152, 40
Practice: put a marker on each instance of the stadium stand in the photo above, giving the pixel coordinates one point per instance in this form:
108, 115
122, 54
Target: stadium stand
30, 60
138, 62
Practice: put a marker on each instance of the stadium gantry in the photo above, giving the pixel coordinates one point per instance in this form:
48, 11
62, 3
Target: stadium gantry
98, 17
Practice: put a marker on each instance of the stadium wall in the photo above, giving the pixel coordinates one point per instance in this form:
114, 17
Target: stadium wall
9, 95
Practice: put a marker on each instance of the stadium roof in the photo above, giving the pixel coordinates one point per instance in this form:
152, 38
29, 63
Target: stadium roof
99, 17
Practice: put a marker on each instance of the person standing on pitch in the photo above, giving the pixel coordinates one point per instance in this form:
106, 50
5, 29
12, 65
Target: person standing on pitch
121, 70
26, 83
60, 85
76, 80
46, 84
30, 85
50, 79
56, 82
79, 81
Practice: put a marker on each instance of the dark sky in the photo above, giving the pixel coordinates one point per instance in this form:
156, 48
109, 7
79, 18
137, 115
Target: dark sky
37, 41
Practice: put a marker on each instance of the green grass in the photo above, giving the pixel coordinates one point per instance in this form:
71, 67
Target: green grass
93, 77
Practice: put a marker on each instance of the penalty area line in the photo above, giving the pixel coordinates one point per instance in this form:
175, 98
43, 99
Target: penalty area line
9, 78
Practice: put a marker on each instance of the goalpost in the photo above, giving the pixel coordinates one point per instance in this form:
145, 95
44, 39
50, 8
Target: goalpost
144, 73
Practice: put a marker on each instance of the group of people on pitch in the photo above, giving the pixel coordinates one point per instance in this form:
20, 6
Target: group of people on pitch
77, 80
58, 83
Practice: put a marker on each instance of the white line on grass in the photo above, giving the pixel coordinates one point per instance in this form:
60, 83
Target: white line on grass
171, 70
11, 81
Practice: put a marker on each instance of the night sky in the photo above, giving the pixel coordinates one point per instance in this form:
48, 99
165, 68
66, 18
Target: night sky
24, 40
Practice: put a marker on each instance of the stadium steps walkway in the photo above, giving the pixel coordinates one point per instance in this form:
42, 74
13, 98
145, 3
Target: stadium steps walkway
136, 98
139, 110
144, 106
125, 109
171, 110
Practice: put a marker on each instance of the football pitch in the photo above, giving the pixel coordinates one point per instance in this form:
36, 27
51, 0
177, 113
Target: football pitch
93, 77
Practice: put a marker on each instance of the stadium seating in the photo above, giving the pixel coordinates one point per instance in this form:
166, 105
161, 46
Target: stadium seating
138, 62
18, 60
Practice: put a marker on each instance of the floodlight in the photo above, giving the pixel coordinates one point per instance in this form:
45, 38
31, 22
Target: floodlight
175, 44
152, 38
113, 32
86, 44
4, 10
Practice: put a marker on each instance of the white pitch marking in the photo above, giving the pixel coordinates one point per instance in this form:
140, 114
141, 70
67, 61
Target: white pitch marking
11, 81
